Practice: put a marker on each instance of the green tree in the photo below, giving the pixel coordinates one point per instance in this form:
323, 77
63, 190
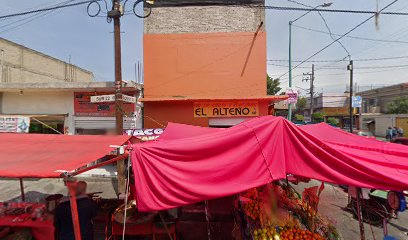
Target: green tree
272, 85
399, 106
317, 117
301, 105
333, 121
299, 118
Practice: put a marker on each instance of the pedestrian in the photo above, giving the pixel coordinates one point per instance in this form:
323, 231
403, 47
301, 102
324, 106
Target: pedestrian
87, 210
400, 132
394, 132
388, 134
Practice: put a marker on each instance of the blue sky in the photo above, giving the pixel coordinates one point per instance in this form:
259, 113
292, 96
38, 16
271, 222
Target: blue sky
89, 41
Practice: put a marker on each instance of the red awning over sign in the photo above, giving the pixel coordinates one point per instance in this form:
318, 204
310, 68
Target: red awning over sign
48, 156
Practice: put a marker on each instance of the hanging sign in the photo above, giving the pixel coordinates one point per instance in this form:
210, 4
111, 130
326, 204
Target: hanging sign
148, 134
14, 124
226, 109
357, 101
292, 96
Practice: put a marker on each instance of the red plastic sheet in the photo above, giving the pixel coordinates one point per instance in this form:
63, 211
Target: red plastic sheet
48, 156
206, 164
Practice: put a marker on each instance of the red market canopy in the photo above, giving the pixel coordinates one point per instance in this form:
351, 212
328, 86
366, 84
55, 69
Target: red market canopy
203, 164
48, 156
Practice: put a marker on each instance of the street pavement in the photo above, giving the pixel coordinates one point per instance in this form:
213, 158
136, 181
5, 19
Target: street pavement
332, 203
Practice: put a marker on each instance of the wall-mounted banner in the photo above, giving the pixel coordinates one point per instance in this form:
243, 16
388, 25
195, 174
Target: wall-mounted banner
14, 124
148, 134
226, 109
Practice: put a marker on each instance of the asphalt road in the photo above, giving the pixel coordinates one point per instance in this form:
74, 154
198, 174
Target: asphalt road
332, 202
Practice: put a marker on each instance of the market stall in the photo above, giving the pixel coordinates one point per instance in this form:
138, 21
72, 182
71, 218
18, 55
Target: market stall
49, 156
190, 164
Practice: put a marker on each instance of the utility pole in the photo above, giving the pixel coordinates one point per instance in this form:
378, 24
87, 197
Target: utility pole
350, 68
310, 77
116, 14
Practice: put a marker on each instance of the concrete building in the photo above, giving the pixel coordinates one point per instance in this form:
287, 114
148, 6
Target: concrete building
377, 100
335, 105
66, 107
374, 111
202, 58
19, 64
47, 95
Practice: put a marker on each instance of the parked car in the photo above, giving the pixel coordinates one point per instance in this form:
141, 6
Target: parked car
400, 140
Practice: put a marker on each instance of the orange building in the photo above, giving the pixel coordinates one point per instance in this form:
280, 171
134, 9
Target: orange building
204, 65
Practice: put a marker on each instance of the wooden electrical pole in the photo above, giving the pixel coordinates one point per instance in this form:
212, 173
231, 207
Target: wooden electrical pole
116, 15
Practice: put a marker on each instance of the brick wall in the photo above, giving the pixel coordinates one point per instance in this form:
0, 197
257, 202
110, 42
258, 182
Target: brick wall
25, 65
204, 19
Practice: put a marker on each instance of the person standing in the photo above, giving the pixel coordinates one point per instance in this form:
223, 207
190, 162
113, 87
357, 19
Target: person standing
388, 134
87, 210
400, 132
394, 132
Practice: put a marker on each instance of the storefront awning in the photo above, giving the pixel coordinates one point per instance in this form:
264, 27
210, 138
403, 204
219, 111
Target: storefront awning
48, 156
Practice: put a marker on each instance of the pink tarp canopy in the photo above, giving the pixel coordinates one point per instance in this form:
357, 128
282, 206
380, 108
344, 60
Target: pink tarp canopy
48, 156
190, 164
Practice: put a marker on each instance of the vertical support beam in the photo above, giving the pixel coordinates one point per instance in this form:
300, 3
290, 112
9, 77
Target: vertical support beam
118, 90
290, 69
22, 190
360, 219
350, 68
74, 208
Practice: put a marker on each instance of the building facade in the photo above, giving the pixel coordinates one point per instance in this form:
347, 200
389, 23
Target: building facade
205, 63
47, 95
19, 64
377, 100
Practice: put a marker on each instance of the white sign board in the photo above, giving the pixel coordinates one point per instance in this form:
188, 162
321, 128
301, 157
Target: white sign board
357, 102
103, 98
111, 98
292, 96
14, 124
129, 99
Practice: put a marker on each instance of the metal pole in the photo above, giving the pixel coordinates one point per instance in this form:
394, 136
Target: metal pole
350, 68
118, 92
311, 91
290, 69
360, 220
22, 190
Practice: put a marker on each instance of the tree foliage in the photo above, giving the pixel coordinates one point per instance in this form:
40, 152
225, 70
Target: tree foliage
272, 85
333, 121
299, 118
399, 106
317, 117
301, 105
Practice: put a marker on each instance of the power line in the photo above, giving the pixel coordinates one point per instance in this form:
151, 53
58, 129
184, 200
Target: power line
282, 8
356, 60
337, 39
354, 37
45, 9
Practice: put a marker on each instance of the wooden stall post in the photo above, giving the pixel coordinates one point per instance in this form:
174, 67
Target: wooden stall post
22, 190
71, 184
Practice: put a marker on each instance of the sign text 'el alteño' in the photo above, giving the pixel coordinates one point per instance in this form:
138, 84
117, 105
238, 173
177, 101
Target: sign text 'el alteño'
226, 109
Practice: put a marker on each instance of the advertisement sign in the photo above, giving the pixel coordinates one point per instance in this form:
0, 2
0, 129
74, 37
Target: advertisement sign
146, 134
226, 109
357, 101
292, 96
14, 124
84, 107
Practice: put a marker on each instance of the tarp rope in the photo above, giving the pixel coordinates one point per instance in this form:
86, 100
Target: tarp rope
126, 199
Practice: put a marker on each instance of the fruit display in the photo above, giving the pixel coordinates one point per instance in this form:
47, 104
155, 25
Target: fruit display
277, 212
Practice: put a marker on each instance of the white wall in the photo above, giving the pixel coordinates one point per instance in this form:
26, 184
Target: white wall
37, 103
